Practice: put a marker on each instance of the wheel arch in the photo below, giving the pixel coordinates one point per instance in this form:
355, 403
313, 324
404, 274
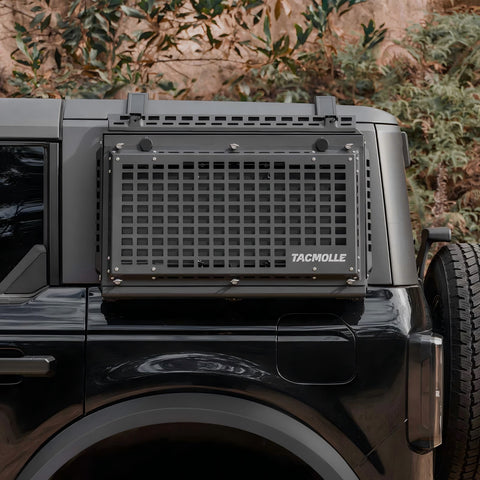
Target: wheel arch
215, 409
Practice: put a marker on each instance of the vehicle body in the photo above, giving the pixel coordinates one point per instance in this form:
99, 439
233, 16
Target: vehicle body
336, 374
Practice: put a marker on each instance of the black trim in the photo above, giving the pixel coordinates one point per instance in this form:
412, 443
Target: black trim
190, 407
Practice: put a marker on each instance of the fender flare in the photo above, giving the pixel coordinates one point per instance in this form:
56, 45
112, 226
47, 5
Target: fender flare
216, 409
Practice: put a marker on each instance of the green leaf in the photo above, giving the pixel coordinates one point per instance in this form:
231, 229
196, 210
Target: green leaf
58, 58
266, 29
167, 86
20, 28
46, 23
132, 12
72, 8
143, 35
22, 47
37, 19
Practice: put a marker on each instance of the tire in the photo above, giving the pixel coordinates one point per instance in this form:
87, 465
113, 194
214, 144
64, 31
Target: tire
452, 289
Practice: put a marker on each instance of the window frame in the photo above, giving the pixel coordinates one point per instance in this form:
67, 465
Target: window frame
51, 232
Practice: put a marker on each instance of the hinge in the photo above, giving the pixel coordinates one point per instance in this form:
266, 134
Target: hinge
134, 115
326, 106
136, 107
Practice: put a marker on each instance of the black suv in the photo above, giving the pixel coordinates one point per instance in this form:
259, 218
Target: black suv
224, 290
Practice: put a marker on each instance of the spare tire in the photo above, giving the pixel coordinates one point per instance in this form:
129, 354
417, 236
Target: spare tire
452, 289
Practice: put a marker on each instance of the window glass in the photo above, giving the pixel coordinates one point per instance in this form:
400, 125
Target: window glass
21, 202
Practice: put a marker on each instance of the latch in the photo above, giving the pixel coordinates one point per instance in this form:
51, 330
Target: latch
136, 106
326, 106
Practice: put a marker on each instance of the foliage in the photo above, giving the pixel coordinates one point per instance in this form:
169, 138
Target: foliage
95, 48
435, 94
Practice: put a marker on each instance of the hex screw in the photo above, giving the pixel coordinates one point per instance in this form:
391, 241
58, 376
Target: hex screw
116, 269
154, 269
351, 269
314, 269
234, 281
234, 146
117, 159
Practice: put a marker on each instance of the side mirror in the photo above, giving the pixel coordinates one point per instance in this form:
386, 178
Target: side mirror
430, 236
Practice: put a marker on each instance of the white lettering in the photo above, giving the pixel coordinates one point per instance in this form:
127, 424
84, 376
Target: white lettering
319, 257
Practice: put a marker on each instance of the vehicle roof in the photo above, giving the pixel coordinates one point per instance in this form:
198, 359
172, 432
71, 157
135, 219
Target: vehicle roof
85, 109
35, 118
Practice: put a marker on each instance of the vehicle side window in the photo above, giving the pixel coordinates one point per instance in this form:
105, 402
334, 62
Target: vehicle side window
21, 202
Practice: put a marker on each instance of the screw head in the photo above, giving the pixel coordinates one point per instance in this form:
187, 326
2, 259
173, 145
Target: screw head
154, 269
351, 269
116, 269
314, 269
234, 146
314, 159
234, 281
117, 159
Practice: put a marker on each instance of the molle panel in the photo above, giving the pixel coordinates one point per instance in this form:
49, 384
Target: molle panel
309, 344
272, 213
244, 214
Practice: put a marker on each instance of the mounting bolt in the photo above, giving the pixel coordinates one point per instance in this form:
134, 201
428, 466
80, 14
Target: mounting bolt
234, 281
116, 269
351, 281
154, 278
351, 269
154, 158
348, 146
117, 159
314, 278
314, 159
119, 146
314, 269
234, 146
118, 281
145, 144
154, 269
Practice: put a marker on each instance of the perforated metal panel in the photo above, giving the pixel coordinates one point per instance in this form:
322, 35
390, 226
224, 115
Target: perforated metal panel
234, 214
224, 122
